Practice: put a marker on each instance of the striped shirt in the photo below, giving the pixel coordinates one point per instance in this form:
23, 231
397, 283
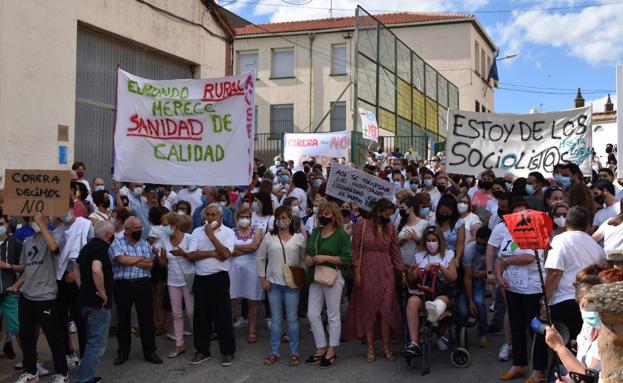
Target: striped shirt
121, 246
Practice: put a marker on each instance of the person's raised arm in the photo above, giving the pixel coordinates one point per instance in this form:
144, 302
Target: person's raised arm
47, 236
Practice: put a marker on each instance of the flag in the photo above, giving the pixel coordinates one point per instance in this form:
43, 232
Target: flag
493, 71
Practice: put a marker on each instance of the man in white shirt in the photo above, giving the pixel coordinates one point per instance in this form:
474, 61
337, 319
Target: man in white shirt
571, 251
192, 194
169, 198
211, 246
604, 195
277, 165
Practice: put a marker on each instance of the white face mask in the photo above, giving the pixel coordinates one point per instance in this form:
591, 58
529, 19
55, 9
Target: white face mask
296, 210
462, 207
560, 221
137, 191
213, 224
181, 212
244, 222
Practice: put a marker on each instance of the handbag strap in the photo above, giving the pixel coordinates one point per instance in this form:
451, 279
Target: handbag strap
283, 250
363, 232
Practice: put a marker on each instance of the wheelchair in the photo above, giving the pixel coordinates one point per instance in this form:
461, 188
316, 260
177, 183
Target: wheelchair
426, 288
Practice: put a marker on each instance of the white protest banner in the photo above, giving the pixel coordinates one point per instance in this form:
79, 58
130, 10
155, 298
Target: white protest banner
518, 143
619, 79
299, 147
352, 185
369, 126
185, 132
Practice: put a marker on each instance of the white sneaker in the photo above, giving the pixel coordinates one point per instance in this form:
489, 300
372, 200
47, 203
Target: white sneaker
505, 352
58, 378
170, 336
72, 361
492, 308
72, 327
41, 370
27, 378
431, 310
442, 343
240, 323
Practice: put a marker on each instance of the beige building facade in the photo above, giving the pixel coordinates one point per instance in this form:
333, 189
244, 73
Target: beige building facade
57, 70
304, 68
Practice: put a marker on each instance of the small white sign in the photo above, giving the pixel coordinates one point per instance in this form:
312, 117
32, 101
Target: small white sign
352, 185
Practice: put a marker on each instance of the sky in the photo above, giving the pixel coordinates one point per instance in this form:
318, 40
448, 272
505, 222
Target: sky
561, 45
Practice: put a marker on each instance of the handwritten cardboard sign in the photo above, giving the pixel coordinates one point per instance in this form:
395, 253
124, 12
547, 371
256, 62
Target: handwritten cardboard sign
530, 229
518, 143
352, 185
28, 191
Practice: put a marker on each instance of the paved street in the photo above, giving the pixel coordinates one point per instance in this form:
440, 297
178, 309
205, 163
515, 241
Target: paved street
248, 366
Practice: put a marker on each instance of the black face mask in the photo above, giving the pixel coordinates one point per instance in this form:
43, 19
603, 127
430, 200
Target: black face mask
106, 204
403, 213
442, 188
345, 212
136, 235
441, 218
384, 220
324, 221
497, 194
486, 185
601, 199
502, 213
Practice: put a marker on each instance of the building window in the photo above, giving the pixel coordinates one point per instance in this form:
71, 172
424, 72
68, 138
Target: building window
338, 59
476, 56
483, 109
282, 62
338, 116
255, 123
477, 106
483, 62
488, 66
281, 120
247, 62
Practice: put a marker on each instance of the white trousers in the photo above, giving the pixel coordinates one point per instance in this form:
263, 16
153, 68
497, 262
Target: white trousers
320, 295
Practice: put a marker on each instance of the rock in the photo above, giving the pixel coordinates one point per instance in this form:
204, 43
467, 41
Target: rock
607, 299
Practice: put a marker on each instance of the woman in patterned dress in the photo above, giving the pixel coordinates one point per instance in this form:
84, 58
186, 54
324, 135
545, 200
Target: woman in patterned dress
374, 302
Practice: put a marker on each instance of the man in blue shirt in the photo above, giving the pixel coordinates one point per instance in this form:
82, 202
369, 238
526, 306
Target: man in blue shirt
132, 262
210, 195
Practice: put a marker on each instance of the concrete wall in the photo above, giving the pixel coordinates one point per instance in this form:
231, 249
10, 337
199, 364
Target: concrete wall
325, 87
38, 62
449, 48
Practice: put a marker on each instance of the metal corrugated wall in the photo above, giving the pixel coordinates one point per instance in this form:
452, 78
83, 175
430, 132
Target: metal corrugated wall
97, 58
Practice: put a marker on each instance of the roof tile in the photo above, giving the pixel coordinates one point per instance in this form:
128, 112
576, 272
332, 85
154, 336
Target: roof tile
347, 22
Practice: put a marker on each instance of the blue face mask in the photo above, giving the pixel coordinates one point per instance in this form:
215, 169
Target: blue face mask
530, 189
204, 199
283, 178
591, 318
317, 182
2, 231
565, 181
424, 211
428, 182
413, 185
166, 230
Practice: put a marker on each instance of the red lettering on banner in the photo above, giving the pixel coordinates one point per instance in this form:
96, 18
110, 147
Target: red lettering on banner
166, 128
218, 91
339, 143
303, 142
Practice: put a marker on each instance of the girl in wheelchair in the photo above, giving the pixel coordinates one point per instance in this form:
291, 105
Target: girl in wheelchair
430, 274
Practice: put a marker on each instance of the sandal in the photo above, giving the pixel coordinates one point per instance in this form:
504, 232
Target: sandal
295, 360
389, 355
252, 338
370, 356
314, 359
271, 359
328, 362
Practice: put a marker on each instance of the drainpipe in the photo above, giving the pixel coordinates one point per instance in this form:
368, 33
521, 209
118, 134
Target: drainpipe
311, 74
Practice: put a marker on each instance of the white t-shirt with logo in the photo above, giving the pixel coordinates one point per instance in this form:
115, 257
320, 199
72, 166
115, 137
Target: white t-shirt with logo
571, 252
522, 279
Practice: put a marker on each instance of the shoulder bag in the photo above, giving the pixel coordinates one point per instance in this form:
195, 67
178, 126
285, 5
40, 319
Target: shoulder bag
324, 275
294, 275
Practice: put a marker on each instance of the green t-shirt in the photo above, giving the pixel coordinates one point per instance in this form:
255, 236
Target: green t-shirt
337, 244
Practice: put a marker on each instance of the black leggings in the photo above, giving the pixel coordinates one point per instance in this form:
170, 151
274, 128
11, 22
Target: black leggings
522, 308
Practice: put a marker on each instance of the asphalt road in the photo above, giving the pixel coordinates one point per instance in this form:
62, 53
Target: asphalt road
248, 364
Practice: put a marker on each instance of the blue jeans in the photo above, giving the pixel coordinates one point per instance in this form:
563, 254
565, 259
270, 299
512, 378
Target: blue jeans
280, 296
97, 322
478, 296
